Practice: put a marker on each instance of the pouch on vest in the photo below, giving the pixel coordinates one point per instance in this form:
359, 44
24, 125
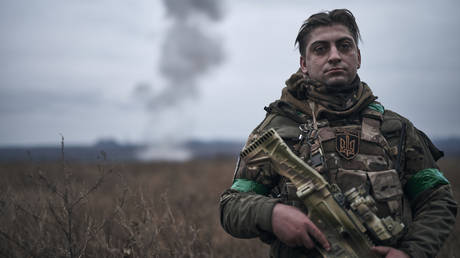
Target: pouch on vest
386, 187
347, 179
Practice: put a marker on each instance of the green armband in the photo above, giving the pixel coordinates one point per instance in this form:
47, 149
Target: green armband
377, 107
245, 185
423, 180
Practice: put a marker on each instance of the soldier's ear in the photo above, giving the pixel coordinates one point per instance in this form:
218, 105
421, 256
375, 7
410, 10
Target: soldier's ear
303, 65
359, 59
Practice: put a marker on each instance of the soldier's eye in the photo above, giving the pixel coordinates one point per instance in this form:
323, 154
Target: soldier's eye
319, 50
345, 46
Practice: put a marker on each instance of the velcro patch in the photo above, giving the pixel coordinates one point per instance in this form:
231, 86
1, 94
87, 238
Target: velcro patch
347, 144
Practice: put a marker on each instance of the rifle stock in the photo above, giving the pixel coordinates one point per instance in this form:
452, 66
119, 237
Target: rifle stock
343, 229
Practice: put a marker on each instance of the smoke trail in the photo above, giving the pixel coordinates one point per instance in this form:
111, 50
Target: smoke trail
188, 52
183, 9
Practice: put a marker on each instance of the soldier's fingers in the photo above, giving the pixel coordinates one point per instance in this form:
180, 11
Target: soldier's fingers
307, 242
383, 250
319, 236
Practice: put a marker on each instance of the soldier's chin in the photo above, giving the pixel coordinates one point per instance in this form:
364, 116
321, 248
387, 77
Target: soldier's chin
336, 84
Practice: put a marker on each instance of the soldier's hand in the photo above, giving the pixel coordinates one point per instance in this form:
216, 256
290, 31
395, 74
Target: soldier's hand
389, 252
294, 228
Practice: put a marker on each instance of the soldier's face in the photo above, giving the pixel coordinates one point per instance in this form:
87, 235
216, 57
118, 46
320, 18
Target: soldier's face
332, 56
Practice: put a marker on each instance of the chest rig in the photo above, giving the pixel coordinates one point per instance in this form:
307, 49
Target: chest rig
351, 153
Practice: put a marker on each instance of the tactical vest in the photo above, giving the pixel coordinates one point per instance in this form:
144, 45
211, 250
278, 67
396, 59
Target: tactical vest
349, 153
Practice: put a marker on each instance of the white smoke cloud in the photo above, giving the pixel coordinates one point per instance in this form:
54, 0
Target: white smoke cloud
188, 52
184, 9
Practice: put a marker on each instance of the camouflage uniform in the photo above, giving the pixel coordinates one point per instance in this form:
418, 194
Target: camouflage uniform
370, 147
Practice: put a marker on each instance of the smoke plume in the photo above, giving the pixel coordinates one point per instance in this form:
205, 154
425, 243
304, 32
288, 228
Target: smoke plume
189, 51
183, 9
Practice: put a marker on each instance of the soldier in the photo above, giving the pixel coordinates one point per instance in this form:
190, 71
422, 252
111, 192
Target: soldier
332, 121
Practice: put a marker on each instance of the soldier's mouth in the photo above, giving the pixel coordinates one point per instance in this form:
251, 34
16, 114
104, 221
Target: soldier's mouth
335, 70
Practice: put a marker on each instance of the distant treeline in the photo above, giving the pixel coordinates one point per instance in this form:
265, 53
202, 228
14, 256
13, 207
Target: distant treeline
113, 151
117, 152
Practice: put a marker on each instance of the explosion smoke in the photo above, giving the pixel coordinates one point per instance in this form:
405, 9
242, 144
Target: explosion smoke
183, 9
188, 52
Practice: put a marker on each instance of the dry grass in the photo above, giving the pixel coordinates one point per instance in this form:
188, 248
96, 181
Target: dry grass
139, 210
136, 210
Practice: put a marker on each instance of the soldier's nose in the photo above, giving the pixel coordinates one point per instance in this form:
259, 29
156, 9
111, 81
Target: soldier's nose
334, 55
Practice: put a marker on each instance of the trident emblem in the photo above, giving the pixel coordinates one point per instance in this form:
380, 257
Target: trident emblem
347, 144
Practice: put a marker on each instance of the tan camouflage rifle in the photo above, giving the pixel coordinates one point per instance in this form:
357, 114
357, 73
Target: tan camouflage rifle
347, 228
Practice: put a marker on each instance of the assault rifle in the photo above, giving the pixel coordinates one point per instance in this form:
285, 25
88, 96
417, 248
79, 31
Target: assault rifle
348, 220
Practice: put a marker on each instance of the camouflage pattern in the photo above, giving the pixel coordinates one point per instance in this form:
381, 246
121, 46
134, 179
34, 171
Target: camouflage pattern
383, 165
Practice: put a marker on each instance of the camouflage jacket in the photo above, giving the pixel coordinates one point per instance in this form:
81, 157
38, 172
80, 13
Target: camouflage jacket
425, 203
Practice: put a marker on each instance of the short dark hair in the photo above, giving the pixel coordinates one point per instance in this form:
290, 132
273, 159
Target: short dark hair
328, 18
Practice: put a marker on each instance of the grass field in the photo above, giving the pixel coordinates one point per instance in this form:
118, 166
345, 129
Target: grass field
129, 210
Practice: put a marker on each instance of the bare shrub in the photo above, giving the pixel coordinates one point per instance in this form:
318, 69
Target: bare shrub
49, 215
116, 210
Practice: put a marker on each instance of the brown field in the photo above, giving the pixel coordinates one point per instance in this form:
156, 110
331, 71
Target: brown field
129, 210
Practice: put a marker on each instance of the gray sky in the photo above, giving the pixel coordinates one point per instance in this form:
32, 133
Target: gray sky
102, 69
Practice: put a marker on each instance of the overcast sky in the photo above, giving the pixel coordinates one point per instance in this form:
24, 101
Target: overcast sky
145, 71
